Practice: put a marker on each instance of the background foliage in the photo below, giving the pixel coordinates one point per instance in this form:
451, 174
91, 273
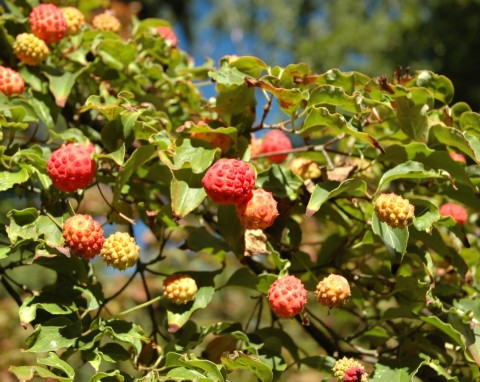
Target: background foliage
414, 309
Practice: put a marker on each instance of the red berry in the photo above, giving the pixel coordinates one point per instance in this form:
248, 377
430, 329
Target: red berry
287, 296
258, 212
83, 235
168, 34
456, 211
229, 181
48, 23
11, 82
457, 157
276, 140
353, 375
71, 167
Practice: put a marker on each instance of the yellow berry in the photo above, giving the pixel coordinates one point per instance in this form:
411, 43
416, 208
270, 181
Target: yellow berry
30, 49
180, 289
120, 251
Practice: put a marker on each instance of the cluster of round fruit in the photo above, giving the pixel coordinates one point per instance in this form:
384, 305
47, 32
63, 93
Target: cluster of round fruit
287, 295
49, 24
232, 182
84, 237
398, 212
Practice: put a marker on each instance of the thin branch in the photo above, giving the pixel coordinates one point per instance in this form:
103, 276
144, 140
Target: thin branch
113, 208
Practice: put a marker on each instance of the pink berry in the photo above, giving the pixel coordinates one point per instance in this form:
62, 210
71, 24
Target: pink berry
229, 181
276, 140
287, 296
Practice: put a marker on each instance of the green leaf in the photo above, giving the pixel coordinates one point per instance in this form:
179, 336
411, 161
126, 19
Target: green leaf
440, 86
239, 360
54, 334
426, 214
384, 373
453, 137
408, 170
327, 190
435, 365
116, 54
228, 76
124, 331
280, 181
61, 85
412, 113
250, 65
22, 224
230, 228
53, 360
431, 159
26, 373
140, 156
395, 239
182, 374
10, 179
117, 156
51, 233
243, 277
113, 352
290, 100
56, 304
446, 328
329, 95
191, 361
319, 122
198, 159
470, 120
113, 376
187, 193
178, 315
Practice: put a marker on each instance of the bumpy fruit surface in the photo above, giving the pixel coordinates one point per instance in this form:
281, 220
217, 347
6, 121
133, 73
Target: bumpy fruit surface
168, 34
305, 168
71, 167
276, 140
11, 82
333, 291
180, 289
456, 211
30, 49
83, 235
287, 296
349, 370
74, 18
120, 251
106, 22
217, 140
258, 212
229, 181
48, 23
394, 210
457, 157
